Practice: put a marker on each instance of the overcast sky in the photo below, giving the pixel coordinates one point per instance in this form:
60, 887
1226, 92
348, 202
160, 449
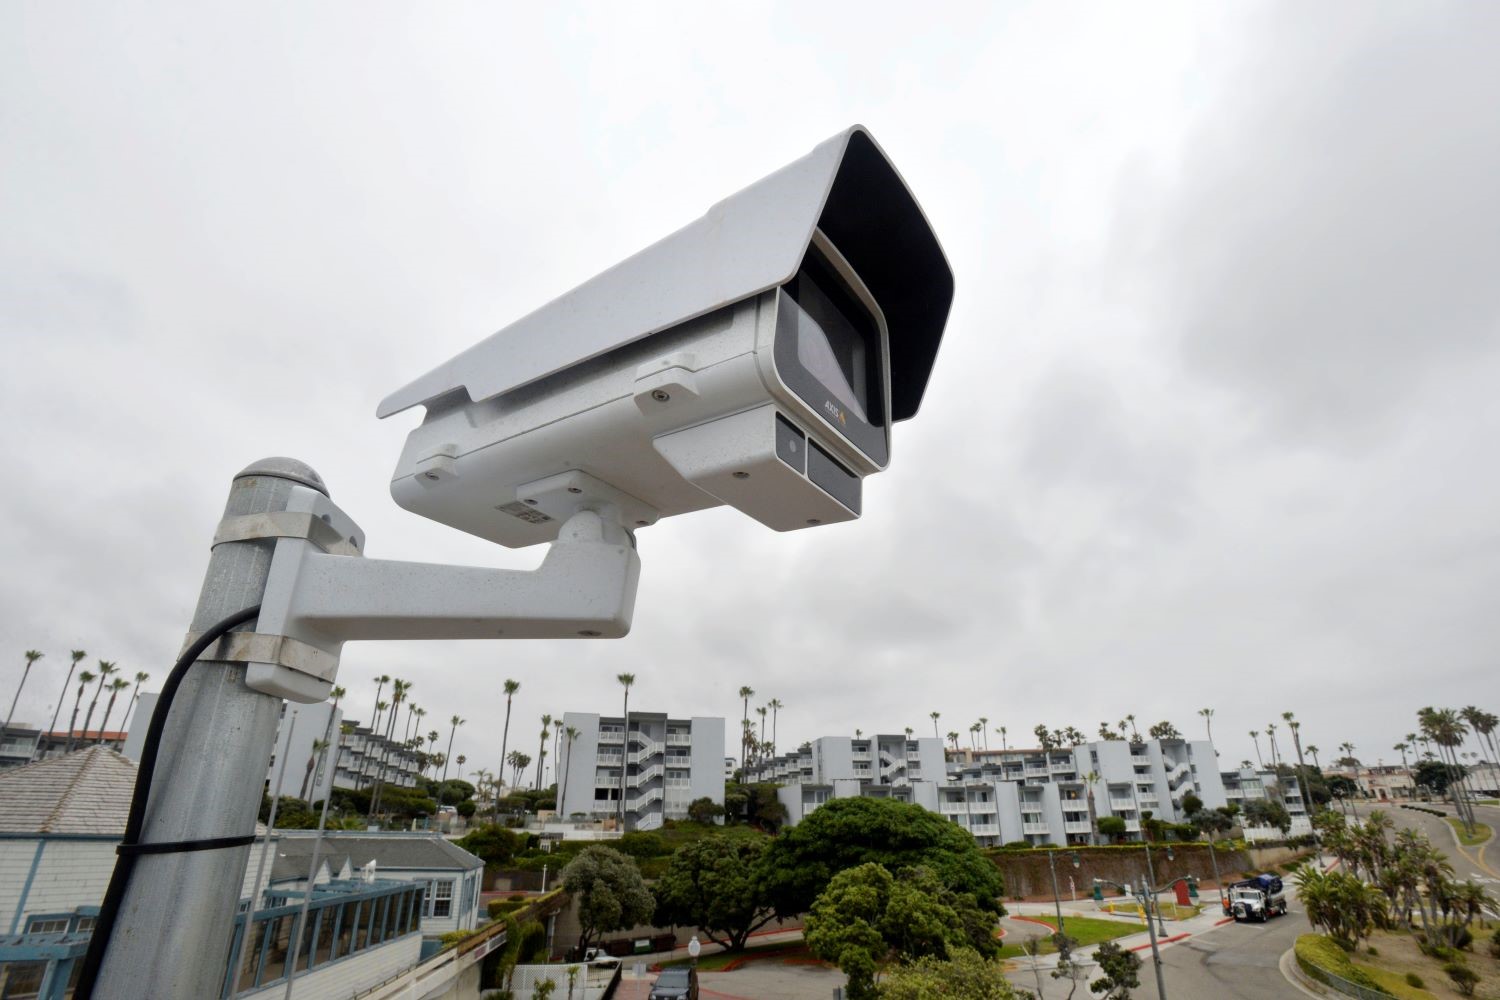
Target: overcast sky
1214, 422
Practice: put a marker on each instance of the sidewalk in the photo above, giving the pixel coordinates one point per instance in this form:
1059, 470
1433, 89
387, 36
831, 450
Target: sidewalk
1177, 930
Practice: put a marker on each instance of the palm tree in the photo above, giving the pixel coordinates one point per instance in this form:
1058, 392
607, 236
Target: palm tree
141, 677
1444, 728
1089, 780
380, 706
115, 687
1401, 748
974, 736
1312, 752
1208, 721
984, 728
455, 722
32, 656
1255, 735
318, 746
510, 687
1296, 728
935, 717
761, 711
746, 693
1003, 745
562, 788
84, 680
76, 655
1271, 736
775, 705
625, 681
541, 753
1135, 734
399, 689
105, 669
1479, 724
953, 738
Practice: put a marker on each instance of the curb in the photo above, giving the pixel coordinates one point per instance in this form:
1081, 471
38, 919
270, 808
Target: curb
1292, 973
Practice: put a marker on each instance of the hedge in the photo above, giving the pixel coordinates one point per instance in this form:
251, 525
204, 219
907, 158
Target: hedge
1321, 957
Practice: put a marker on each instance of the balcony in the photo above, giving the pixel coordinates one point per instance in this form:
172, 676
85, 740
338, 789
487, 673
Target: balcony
1077, 826
1036, 770
1035, 828
1117, 804
1140, 760
1133, 825
679, 739
1061, 767
952, 808
985, 830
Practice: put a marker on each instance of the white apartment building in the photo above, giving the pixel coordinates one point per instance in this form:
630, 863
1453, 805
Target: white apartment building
363, 758
1033, 795
667, 764
1247, 784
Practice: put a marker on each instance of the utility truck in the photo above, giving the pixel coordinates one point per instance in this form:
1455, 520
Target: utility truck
1259, 898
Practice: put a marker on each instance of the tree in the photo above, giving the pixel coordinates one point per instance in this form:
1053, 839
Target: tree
746, 693
757, 804
76, 655
1112, 827
115, 687
32, 656
626, 680
141, 677
609, 892
1119, 971
704, 810
84, 680
1255, 735
1164, 730
510, 688
965, 975
541, 750
318, 746
1208, 721
493, 844
1267, 812
715, 885
1191, 805
847, 833
866, 916
562, 789
1432, 773
935, 716
106, 668
455, 722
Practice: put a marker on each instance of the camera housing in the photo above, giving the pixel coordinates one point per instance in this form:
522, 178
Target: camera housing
757, 358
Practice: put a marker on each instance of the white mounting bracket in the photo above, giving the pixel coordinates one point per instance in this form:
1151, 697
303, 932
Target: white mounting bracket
322, 593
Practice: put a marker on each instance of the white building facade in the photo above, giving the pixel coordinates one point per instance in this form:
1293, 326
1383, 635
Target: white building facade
667, 763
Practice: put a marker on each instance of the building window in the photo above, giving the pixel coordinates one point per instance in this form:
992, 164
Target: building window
47, 925
440, 904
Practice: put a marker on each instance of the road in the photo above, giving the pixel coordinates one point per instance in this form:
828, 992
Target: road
1480, 863
1232, 962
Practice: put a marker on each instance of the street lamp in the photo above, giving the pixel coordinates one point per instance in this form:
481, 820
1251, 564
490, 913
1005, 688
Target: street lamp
1140, 895
1056, 896
693, 949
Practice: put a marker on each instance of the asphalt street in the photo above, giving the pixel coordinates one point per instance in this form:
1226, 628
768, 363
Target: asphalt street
1228, 962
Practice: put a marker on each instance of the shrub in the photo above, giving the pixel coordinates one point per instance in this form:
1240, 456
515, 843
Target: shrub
1464, 978
517, 897
1373, 950
1495, 944
1320, 956
453, 937
1414, 980
643, 844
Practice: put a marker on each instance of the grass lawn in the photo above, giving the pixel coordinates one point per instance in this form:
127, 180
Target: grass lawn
1170, 911
781, 952
1084, 930
1481, 833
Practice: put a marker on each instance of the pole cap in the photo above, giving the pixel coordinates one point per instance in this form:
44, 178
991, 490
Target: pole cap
278, 467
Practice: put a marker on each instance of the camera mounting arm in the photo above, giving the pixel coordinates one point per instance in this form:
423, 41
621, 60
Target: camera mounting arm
321, 592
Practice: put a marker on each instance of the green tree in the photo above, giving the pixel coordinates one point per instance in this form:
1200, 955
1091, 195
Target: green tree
1434, 774
715, 884
609, 890
510, 688
965, 975
1164, 731
704, 810
494, 845
1112, 827
1120, 972
1266, 812
866, 916
1191, 805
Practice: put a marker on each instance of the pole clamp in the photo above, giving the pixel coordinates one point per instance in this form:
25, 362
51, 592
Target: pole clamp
286, 524
281, 650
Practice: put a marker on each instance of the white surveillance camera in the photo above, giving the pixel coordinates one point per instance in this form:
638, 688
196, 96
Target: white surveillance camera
757, 358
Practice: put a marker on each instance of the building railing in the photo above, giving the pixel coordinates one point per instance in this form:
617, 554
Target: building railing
1034, 828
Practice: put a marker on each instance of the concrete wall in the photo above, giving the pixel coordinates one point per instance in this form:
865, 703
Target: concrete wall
1027, 875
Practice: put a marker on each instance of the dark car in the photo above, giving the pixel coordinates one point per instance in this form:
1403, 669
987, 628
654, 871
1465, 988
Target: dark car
676, 983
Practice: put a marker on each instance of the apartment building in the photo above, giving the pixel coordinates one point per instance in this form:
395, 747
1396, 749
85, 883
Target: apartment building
666, 763
837, 767
1247, 784
363, 758
1009, 795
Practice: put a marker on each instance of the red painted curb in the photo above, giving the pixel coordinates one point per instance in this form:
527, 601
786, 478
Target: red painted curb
1034, 920
1221, 923
1161, 941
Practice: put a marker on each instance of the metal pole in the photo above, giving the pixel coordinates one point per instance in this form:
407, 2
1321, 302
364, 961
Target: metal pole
1151, 872
1056, 897
1213, 857
265, 849
1161, 985
312, 876
172, 937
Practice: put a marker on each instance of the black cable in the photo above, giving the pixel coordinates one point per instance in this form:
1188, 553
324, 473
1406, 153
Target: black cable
130, 847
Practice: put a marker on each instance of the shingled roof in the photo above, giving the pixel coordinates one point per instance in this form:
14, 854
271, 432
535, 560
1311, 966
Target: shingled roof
410, 851
84, 792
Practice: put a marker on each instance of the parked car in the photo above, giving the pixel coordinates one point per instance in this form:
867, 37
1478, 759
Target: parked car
677, 983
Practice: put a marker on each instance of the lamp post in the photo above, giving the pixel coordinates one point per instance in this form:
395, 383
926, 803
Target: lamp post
1161, 985
1056, 896
1213, 858
693, 949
